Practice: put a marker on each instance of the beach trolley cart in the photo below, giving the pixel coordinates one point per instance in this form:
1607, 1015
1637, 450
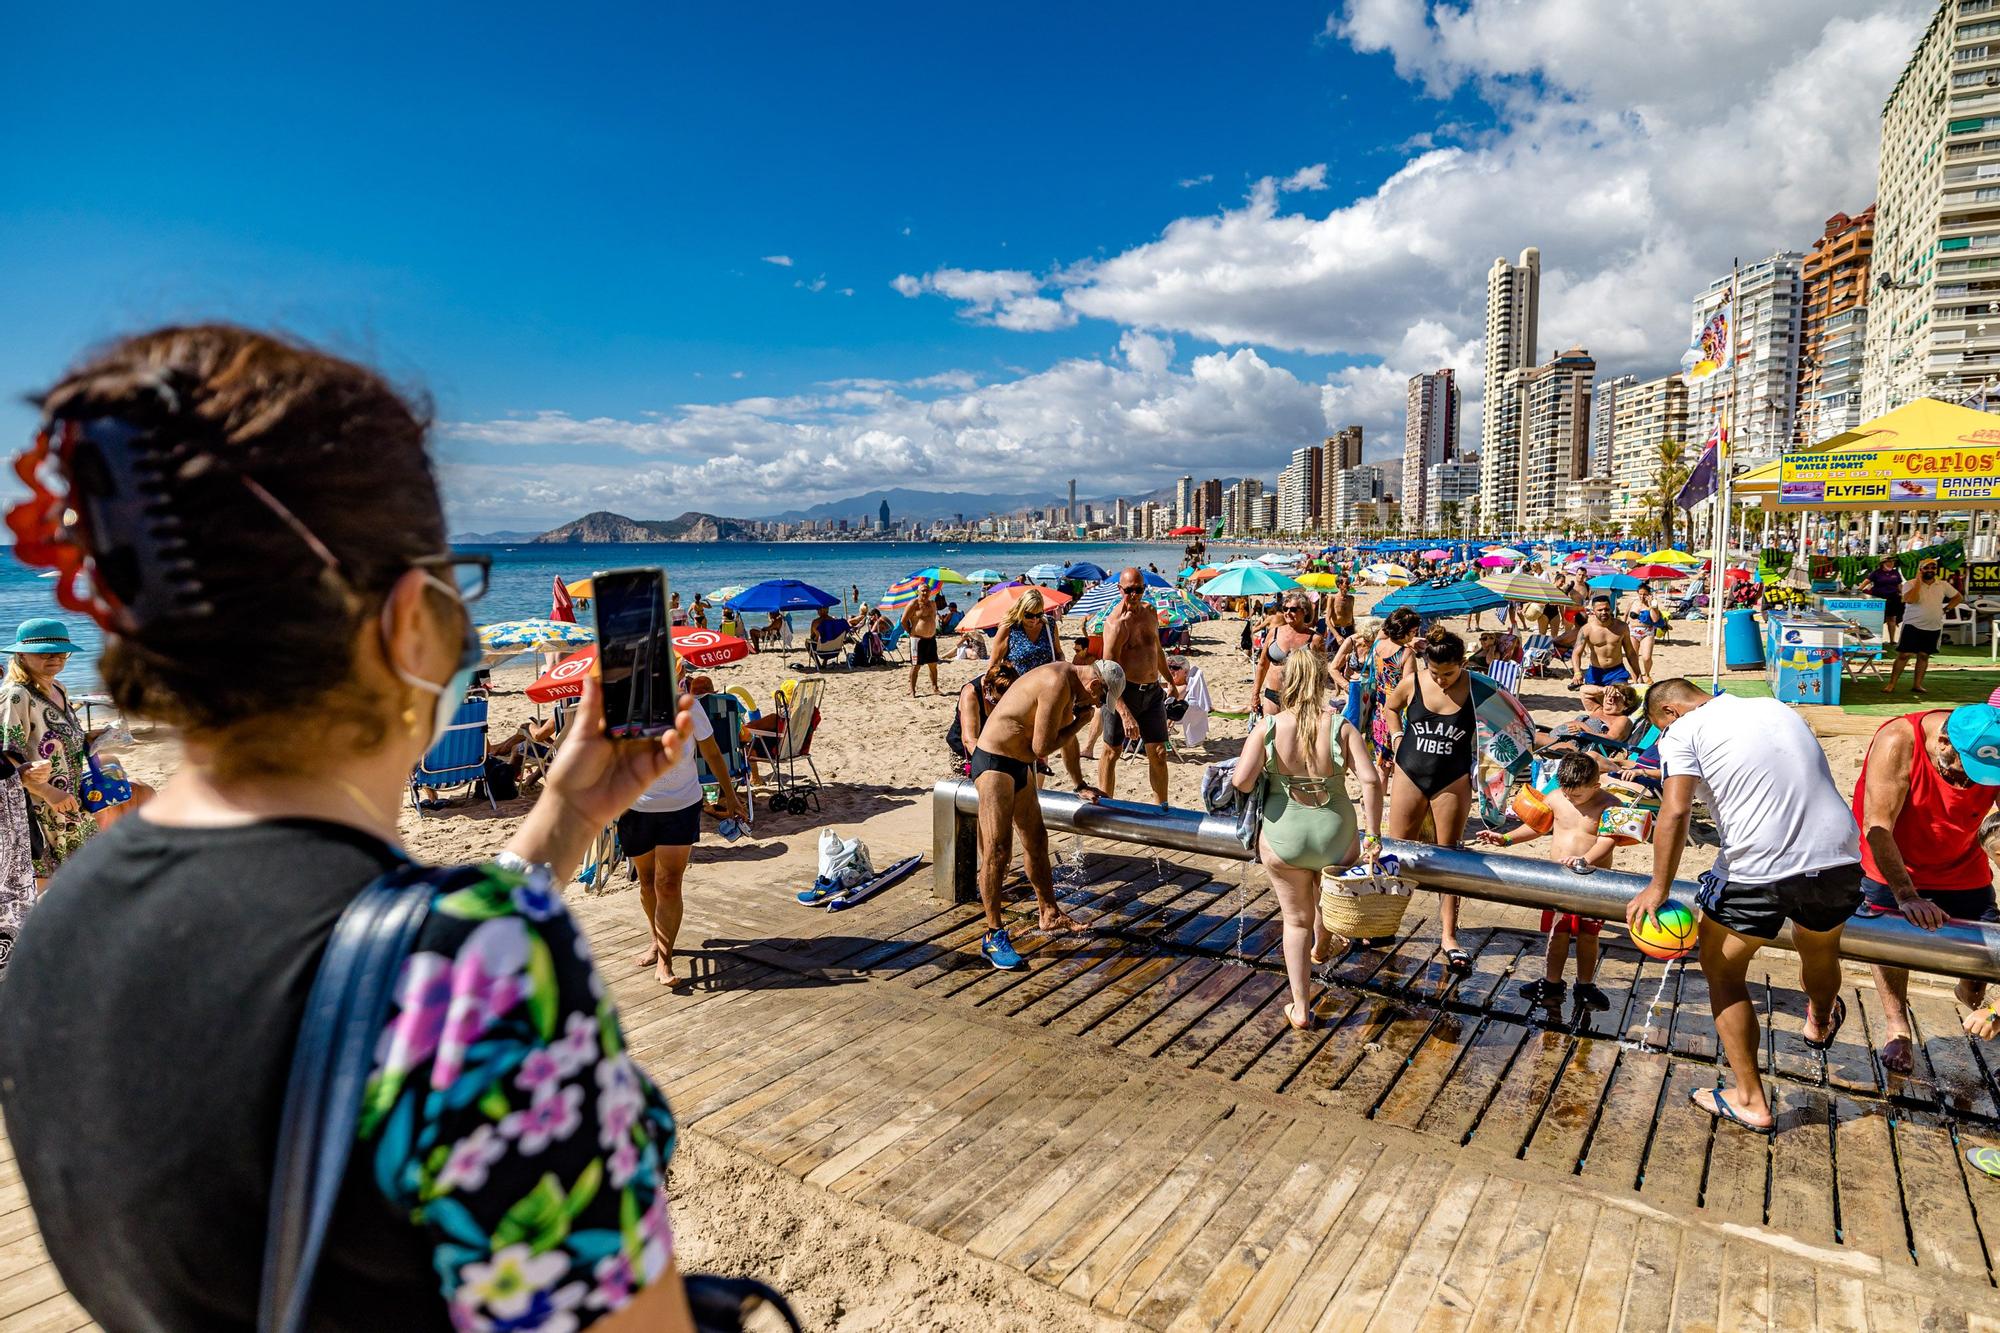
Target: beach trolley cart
1803, 656
791, 746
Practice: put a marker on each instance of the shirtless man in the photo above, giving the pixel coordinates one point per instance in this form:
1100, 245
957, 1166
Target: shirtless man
1132, 640
1037, 715
920, 622
1605, 653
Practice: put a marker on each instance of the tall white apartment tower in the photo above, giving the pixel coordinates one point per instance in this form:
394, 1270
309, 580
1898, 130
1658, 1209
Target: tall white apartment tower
1183, 502
1770, 302
1934, 312
1430, 437
1513, 313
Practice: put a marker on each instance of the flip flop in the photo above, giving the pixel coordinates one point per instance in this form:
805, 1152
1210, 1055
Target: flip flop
1839, 1016
1297, 1026
1718, 1106
1458, 960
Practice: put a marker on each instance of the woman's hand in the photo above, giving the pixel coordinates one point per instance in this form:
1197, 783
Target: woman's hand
598, 778
38, 773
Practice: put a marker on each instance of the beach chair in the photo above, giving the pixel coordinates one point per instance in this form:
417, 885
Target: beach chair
726, 715
1536, 652
1507, 675
792, 746
458, 758
825, 650
892, 644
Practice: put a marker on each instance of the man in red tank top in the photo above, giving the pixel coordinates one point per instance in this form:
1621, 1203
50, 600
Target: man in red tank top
1926, 783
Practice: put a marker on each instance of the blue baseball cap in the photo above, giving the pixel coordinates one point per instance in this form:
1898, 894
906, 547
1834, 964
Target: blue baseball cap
44, 634
1974, 731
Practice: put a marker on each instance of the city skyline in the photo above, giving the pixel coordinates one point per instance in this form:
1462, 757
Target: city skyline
695, 297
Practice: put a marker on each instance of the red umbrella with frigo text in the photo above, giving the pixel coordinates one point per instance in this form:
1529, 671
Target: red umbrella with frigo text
696, 647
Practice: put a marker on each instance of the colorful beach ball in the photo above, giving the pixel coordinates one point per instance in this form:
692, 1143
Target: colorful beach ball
1673, 935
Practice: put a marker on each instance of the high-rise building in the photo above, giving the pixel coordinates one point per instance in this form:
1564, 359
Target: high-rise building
1121, 509
1183, 502
1267, 512
1430, 437
1555, 435
1647, 415
1500, 482
1341, 451
1358, 494
1450, 488
1760, 389
1211, 491
1069, 514
1604, 397
882, 515
1833, 327
1300, 487
1250, 500
1513, 315
1934, 309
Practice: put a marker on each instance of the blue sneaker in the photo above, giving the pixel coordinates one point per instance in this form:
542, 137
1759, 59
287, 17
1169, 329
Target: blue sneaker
999, 950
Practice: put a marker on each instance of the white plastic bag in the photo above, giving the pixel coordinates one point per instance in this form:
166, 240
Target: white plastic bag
843, 862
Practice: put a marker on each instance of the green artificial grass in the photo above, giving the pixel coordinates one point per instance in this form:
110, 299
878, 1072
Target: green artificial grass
1862, 695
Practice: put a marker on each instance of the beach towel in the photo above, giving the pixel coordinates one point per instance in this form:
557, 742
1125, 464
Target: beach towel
1194, 725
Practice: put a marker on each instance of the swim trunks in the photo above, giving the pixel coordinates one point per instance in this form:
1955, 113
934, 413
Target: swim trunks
927, 651
1593, 675
1571, 924
985, 761
1149, 707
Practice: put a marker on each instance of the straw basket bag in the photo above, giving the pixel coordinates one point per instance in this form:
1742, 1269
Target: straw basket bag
1362, 904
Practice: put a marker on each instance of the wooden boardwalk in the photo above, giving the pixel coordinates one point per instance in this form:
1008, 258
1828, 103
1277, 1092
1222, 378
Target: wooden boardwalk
1130, 1120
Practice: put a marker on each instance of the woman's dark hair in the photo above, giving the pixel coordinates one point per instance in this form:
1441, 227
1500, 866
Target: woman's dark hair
1443, 648
272, 630
1401, 624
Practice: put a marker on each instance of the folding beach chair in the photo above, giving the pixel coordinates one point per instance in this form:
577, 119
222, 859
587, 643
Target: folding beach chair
790, 747
823, 651
1536, 651
1507, 675
726, 715
892, 644
458, 758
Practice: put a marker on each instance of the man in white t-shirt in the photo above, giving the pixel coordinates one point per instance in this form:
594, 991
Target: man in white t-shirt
1790, 851
1925, 600
659, 833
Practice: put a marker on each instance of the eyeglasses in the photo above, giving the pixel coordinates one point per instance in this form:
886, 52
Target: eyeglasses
1132, 592
469, 574
1031, 615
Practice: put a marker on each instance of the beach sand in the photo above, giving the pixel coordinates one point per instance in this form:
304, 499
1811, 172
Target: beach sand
878, 751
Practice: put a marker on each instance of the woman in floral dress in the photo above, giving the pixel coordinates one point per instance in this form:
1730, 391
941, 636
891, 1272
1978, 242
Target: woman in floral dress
307, 633
36, 720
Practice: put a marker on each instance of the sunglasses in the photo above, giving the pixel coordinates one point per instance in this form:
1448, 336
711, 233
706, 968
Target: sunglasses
1031, 615
1131, 592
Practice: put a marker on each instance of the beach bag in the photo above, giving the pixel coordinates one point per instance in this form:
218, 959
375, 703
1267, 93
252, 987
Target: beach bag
1220, 797
502, 782
1363, 904
335, 1053
843, 862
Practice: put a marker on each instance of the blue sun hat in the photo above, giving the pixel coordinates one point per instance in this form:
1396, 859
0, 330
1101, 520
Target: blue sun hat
1974, 731
44, 634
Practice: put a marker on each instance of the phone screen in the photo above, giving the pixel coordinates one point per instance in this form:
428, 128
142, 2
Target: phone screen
635, 655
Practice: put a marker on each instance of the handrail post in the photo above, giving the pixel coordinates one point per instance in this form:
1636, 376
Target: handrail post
954, 845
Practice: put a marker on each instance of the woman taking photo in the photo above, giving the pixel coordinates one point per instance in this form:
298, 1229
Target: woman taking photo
259, 531
1293, 632
1302, 754
1435, 732
36, 720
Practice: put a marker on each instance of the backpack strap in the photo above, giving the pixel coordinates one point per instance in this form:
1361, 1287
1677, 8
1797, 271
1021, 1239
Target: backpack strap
345, 1011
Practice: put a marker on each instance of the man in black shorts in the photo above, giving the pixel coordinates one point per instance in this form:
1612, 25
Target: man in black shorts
1790, 851
1132, 640
1037, 715
1926, 599
920, 623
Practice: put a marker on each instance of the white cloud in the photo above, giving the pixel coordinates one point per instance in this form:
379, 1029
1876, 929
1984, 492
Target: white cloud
1131, 420
1009, 298
782, 261
1305, 178
816, 285
1192, 181
736, 374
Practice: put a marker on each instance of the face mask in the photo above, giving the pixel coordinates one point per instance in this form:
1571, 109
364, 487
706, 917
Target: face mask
450, 694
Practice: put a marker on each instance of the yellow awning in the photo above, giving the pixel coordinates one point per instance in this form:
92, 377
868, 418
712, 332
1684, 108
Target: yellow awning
1924, 424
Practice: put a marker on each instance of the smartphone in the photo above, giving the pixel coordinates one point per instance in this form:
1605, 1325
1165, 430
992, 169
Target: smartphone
635, 654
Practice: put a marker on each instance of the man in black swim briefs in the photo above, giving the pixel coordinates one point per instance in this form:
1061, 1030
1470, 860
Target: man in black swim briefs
1041, 711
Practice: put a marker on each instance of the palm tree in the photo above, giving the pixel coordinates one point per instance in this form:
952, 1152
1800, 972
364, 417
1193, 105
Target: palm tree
1670, 473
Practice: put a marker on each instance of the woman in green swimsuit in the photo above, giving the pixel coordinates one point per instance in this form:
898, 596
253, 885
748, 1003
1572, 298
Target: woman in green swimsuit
1303, 757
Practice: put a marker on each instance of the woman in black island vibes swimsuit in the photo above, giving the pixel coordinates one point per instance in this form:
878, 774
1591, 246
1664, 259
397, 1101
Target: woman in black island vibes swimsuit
1435, 734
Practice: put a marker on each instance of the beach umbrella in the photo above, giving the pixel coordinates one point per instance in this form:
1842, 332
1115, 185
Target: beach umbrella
1321, 581
989, 610
1248, 582
1204, 574
696, 647
1170, 608
902, 594
1626, 555
1083, 569
1616, 583
1185, 531
1670, 558
1431, 600
1519, 587
1395, 576
581, 588
1436, 553
1097, 597
1045, 573
938, 574
1507, 551
1495, 562
1659, 572
1592, 568
781, 595
505, 638
985, 576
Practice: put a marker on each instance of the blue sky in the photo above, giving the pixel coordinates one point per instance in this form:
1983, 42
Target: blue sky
1163, 237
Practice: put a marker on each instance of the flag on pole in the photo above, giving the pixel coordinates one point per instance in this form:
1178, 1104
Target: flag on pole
562, 608
1708, 342
1701, 482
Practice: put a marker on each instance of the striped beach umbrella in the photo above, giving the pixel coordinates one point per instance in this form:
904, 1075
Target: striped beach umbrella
1518, 587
